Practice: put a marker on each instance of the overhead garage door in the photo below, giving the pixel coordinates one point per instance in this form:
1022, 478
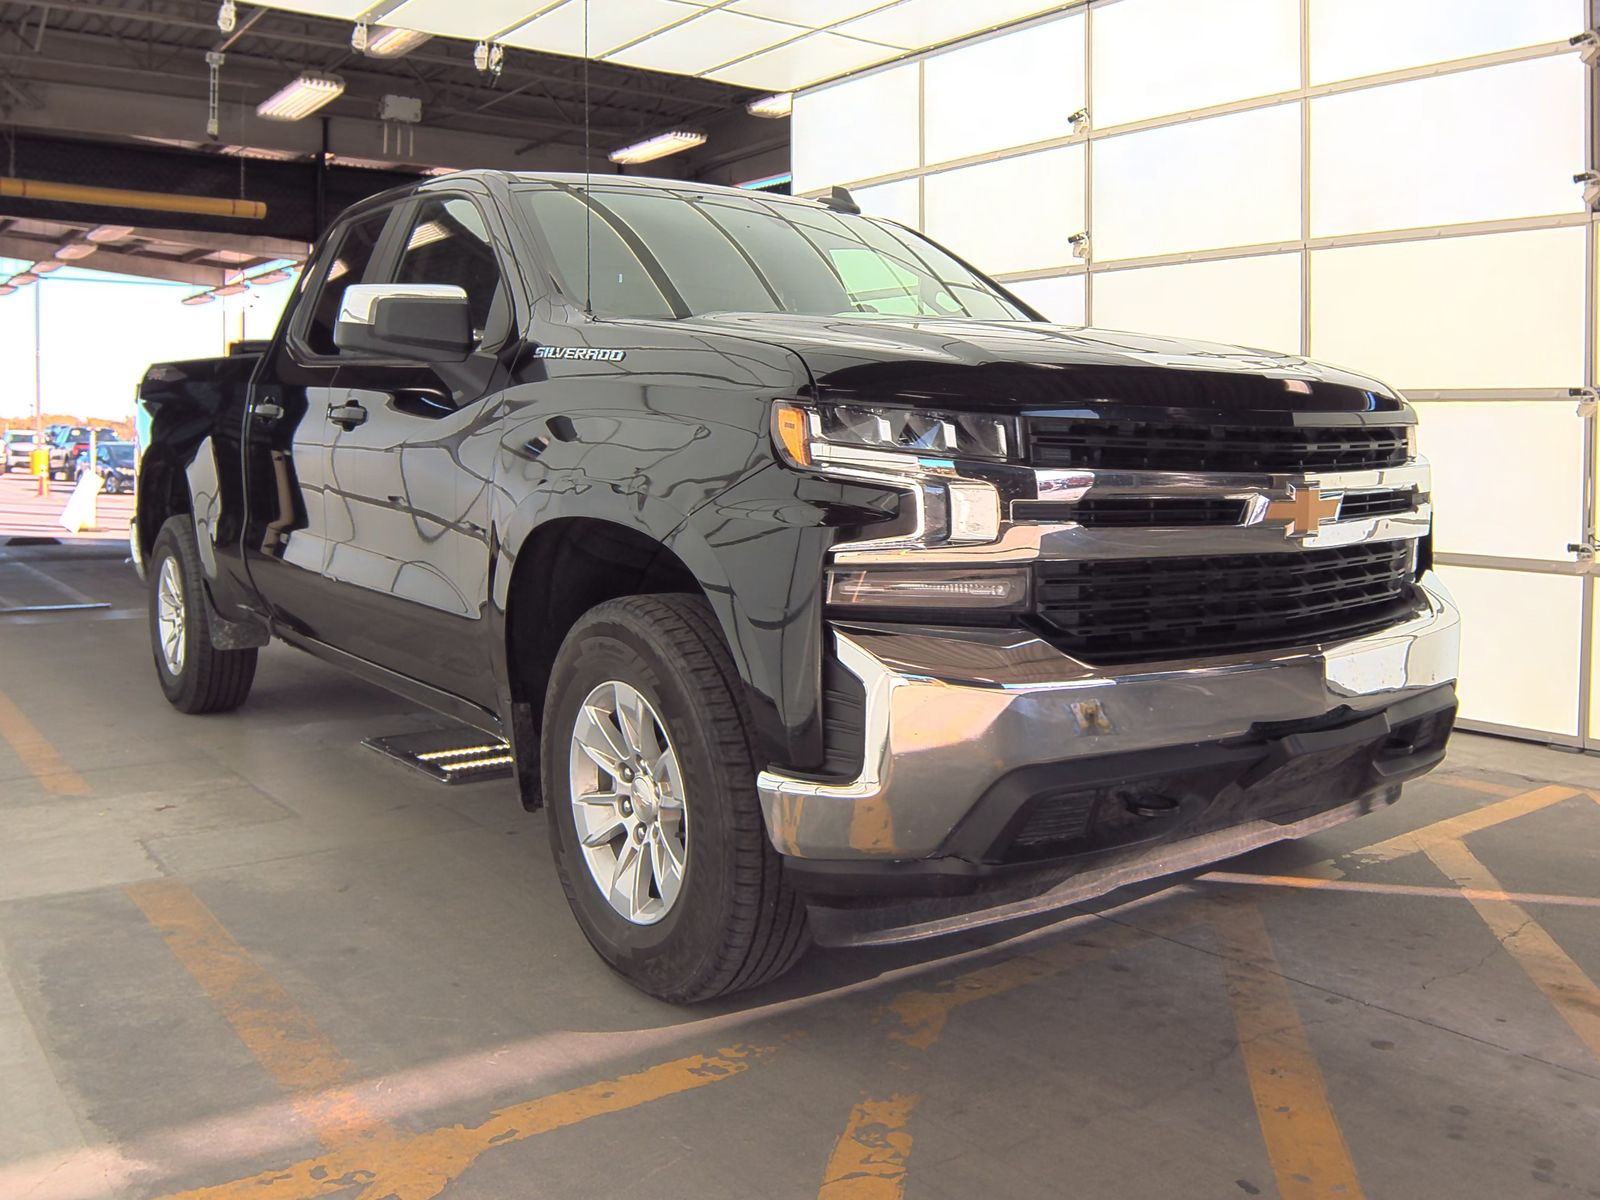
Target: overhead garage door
1386, 184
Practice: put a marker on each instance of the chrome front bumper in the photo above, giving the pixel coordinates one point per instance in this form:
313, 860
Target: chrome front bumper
949, 712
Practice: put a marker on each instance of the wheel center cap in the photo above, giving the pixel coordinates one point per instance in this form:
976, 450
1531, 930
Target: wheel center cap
645, 800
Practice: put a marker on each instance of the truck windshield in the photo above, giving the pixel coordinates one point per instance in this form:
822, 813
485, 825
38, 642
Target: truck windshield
665, 253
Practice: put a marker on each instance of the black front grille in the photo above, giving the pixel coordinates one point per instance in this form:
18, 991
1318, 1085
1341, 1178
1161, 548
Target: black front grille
1148, 610
1133, 512
1113, 445
1366, 505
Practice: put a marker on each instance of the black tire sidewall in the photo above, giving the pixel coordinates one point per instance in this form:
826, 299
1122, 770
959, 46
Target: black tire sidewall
684, 944
179, 688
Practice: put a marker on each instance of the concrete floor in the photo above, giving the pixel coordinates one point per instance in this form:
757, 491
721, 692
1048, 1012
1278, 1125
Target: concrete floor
243, 957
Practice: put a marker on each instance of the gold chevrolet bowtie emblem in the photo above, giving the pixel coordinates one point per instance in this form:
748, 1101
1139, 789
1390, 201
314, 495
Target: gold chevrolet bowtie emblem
1305, 510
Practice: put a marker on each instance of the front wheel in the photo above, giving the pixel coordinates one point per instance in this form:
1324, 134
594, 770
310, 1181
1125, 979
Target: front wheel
195, 676
649, 779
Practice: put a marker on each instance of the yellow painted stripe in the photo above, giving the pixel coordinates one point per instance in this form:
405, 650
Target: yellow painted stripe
1474, 821
1487, 786
37, 754
282, 1037
869, 1160
1563, 982
422, 1166
1303, 1139
1399, 889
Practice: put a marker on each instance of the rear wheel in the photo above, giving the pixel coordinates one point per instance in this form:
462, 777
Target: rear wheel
649, 782
195, 676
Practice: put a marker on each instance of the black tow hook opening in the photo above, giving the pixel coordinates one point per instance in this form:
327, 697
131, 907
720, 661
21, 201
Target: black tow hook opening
1151, 806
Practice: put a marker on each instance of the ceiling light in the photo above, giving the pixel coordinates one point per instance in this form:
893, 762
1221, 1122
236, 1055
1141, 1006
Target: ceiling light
23, 279
441, 170
277, 275
199, 298
6, 289
301, 97
44, 268
75, 250
390, 41
258, 152
109, 233
659, 146
766, 181
232, 289
227, 16
779, 105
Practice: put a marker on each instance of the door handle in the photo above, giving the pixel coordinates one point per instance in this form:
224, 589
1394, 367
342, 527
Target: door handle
346, 416
267, 410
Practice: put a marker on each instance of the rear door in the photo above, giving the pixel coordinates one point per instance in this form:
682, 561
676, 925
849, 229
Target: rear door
408, 543
287, 434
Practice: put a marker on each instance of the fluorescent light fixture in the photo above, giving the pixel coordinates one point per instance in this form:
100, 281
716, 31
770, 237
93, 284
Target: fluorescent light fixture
24, 278
199, 298
768, 181
109, 233
44, 268
6, 289
427, 234
76, 250
258, 152
278, 275
390, 41
780, 104
232, 289
659, 146
441, 170
301, 97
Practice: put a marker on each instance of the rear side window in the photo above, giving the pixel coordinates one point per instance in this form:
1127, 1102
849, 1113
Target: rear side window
351, 258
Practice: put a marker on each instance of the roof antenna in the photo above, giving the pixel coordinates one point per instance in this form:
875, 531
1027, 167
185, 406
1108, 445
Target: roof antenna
588, 207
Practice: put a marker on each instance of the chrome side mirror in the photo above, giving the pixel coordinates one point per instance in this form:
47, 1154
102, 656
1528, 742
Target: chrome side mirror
413, 322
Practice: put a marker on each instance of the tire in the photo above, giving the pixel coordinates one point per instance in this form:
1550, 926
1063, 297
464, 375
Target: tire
734, 922
197, 678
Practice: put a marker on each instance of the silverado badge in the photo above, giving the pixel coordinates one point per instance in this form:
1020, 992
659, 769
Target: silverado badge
1305, 510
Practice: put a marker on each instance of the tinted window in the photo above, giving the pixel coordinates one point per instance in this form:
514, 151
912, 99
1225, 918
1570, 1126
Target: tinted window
449, 243
348, 264
666, 252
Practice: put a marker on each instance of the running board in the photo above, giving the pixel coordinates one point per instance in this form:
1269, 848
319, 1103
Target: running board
448, 755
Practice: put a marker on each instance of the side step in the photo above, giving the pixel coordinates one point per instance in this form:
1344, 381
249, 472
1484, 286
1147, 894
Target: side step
457, 755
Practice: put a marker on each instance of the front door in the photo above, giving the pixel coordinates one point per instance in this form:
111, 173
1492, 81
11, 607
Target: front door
405, 554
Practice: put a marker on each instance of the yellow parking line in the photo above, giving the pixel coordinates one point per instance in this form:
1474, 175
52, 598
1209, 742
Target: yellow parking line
421, 1166
1399, 889
37, 754
1302, 1135
869, 1159
1563, 982
1459, 826
282, 1037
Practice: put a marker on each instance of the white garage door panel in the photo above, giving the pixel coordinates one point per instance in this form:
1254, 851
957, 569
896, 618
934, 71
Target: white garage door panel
1519, 647
1006, 91
1246, 301
1498, 311
1227, 181
855, 130
1060, 300
1350, 38
898, 201
1153, 57
1528, 504
1010, 215
1473, 146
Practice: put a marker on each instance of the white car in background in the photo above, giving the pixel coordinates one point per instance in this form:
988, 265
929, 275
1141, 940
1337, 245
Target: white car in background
19, 444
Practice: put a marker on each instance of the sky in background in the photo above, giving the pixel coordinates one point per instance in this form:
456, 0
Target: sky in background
98, 332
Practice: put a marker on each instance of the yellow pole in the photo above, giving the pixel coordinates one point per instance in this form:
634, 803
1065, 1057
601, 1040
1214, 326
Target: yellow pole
72, 193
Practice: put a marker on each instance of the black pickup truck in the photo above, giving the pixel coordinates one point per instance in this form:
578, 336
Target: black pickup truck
821, 588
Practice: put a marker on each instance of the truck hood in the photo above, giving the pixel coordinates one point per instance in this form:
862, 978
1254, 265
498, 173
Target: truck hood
1032, 367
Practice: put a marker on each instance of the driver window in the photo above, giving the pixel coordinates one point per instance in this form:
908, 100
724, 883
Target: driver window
449, 243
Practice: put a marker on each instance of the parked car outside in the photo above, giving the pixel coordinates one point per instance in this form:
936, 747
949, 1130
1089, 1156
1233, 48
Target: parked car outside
72, 441
114, 462
19, 444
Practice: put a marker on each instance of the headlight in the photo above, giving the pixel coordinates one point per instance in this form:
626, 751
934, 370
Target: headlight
909, 448
809, 435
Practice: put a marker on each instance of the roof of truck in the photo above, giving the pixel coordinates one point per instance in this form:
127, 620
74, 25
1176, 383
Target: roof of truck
579, 179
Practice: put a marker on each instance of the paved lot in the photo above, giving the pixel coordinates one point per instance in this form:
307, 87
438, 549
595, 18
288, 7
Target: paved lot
25, 513
243, 957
